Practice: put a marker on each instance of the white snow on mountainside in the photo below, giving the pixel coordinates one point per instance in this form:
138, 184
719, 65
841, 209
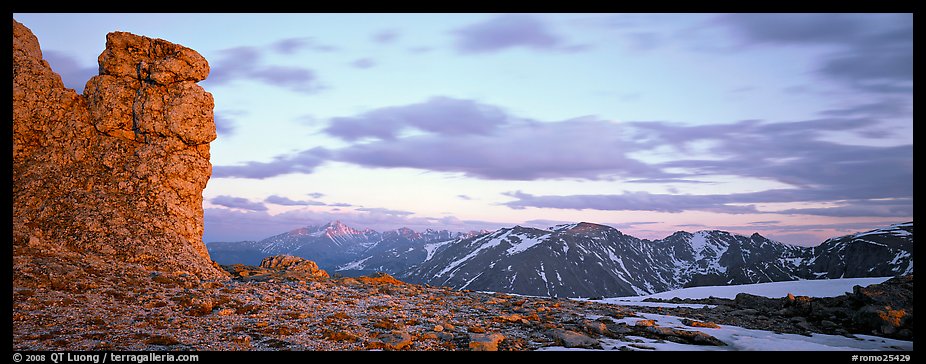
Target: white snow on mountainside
743, 339
812, 288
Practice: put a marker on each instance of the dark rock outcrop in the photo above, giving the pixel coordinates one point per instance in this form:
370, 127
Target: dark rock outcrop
117, 172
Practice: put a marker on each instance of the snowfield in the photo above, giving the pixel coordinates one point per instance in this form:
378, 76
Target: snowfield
742, 339
739, 338
812, 288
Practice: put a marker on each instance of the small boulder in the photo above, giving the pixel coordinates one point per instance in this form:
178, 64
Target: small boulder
485, 342
395, 340
572, 339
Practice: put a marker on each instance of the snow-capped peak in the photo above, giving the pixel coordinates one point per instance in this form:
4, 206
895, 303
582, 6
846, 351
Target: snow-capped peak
336, 228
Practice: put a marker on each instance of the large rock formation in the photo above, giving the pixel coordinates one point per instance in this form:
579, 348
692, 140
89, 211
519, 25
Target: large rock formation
117, 172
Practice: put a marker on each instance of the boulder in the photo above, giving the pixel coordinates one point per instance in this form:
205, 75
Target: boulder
572, 339
117, 172
485, 342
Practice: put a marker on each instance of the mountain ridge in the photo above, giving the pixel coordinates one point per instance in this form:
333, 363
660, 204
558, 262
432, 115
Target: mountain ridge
585, 259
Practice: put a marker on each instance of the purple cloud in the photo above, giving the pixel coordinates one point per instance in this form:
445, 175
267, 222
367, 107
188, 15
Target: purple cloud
465, 197
384, 211
244, 63
442, 115
74, 75
875, 51
238, 203
483, 141
420, 49
295, 78
225, 124
280, 200
293, 45
506, 31
902, 207
302, 162
223, 224
315, 194
386, 36
883, 108
363, 63
520, 151
630, 201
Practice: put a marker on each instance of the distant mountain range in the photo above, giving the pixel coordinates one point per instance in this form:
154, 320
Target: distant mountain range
580, 260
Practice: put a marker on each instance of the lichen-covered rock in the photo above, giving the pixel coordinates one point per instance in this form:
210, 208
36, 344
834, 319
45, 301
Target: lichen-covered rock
117, 172
291, 264
485, 342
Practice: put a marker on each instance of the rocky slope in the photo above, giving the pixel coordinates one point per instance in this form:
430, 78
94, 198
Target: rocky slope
117, 172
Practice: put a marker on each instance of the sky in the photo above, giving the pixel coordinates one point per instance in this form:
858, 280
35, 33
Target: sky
795, 126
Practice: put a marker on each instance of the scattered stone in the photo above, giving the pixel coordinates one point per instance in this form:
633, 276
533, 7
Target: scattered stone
164, 340
572, 339
242, 342
395, 340
476, 329
693, 323
485, 342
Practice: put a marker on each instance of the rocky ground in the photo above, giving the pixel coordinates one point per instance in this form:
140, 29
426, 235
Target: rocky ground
70, 301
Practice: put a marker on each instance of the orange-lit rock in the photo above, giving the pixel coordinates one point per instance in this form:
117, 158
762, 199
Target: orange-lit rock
117, 172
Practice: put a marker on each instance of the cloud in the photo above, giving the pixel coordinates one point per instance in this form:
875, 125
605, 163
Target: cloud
420, 49
861, 208
363, 63
301, 162
238, 203
509, 31
465, 197
791, 153
483, 141
883, 108
73, 74
436, 115
293, 45
874, 52
223, 224
386, 36
767, 222
315, 194
244, 63
630, 201
280, 200
520, 151
384, 211
225, 124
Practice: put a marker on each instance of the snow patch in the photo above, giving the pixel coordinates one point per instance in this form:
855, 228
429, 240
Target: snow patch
526, 243
813, 288
357, 264
490, 244
431, 248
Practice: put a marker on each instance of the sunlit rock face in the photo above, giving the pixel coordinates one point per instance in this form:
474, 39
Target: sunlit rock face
117, 172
